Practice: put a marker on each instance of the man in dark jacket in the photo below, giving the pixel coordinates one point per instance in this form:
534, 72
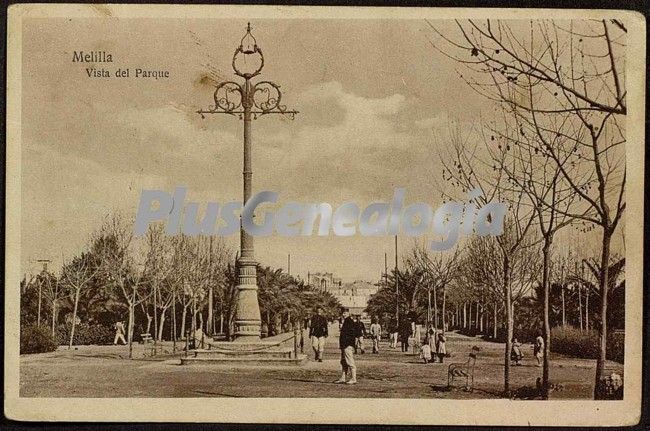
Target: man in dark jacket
318, 334
347, 339
404, 333
361, 332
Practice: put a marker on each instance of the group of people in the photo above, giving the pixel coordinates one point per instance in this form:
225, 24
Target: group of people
353, 332
435, 346
516, 355
351, 338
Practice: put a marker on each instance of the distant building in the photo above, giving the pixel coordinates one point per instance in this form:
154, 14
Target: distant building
324, 281
352, 296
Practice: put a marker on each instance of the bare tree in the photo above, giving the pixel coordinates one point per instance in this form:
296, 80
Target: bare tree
53, 293
120, 267
468, 167
440, 269
564, 82
162, 276
76, 276
526, 162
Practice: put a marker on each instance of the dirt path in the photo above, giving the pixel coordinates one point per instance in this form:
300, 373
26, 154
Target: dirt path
104, 371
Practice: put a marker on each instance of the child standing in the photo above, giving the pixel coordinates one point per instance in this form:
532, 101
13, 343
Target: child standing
425, 353
442, 348
539, 349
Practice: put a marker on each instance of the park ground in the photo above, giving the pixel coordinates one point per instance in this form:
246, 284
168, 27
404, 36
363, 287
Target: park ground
106, 371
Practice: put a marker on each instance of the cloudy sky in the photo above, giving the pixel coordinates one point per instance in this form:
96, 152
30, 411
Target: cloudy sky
371, 96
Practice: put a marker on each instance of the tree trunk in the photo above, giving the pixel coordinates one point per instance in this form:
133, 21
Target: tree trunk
200, 326
464, 315
38, 318
580, 306
428, 307
444, 308
563, 303
130, 328
193, 321
494, 330
603, 281
587, 309
132, 305
54, 318
435, 308
149, 319
509, 325
546, 250
183, 319
209, 330
174, 321
161, 323
155, 314
469, 317
210, 327
74, 316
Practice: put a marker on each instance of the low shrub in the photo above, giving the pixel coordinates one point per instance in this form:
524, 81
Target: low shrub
523, 335
36, 339
85, 334
572, 341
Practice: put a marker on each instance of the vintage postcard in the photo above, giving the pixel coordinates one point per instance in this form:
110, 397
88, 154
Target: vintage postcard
324, 215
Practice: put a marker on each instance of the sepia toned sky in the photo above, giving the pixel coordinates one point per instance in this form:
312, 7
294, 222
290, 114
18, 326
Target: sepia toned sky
371, 94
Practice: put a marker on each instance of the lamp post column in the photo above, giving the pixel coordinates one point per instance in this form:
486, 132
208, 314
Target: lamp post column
233, 98
247, 322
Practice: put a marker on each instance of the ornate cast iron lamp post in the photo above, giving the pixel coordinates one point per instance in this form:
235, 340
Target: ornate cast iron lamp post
248, 100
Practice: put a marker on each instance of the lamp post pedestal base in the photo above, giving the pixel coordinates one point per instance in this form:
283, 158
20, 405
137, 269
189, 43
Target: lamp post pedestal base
248, 322
247, 352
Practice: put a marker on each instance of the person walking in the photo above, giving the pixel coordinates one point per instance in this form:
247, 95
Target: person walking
318, 334
404, 334
538, 349
392, 329
375, 333
515, 354
347, 340
119, 332
360, 333
442, 346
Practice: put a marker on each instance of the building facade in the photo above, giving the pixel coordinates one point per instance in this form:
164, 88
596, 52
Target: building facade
353, 296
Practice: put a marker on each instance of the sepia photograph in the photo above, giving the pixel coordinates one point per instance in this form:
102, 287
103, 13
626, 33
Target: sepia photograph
324, 215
